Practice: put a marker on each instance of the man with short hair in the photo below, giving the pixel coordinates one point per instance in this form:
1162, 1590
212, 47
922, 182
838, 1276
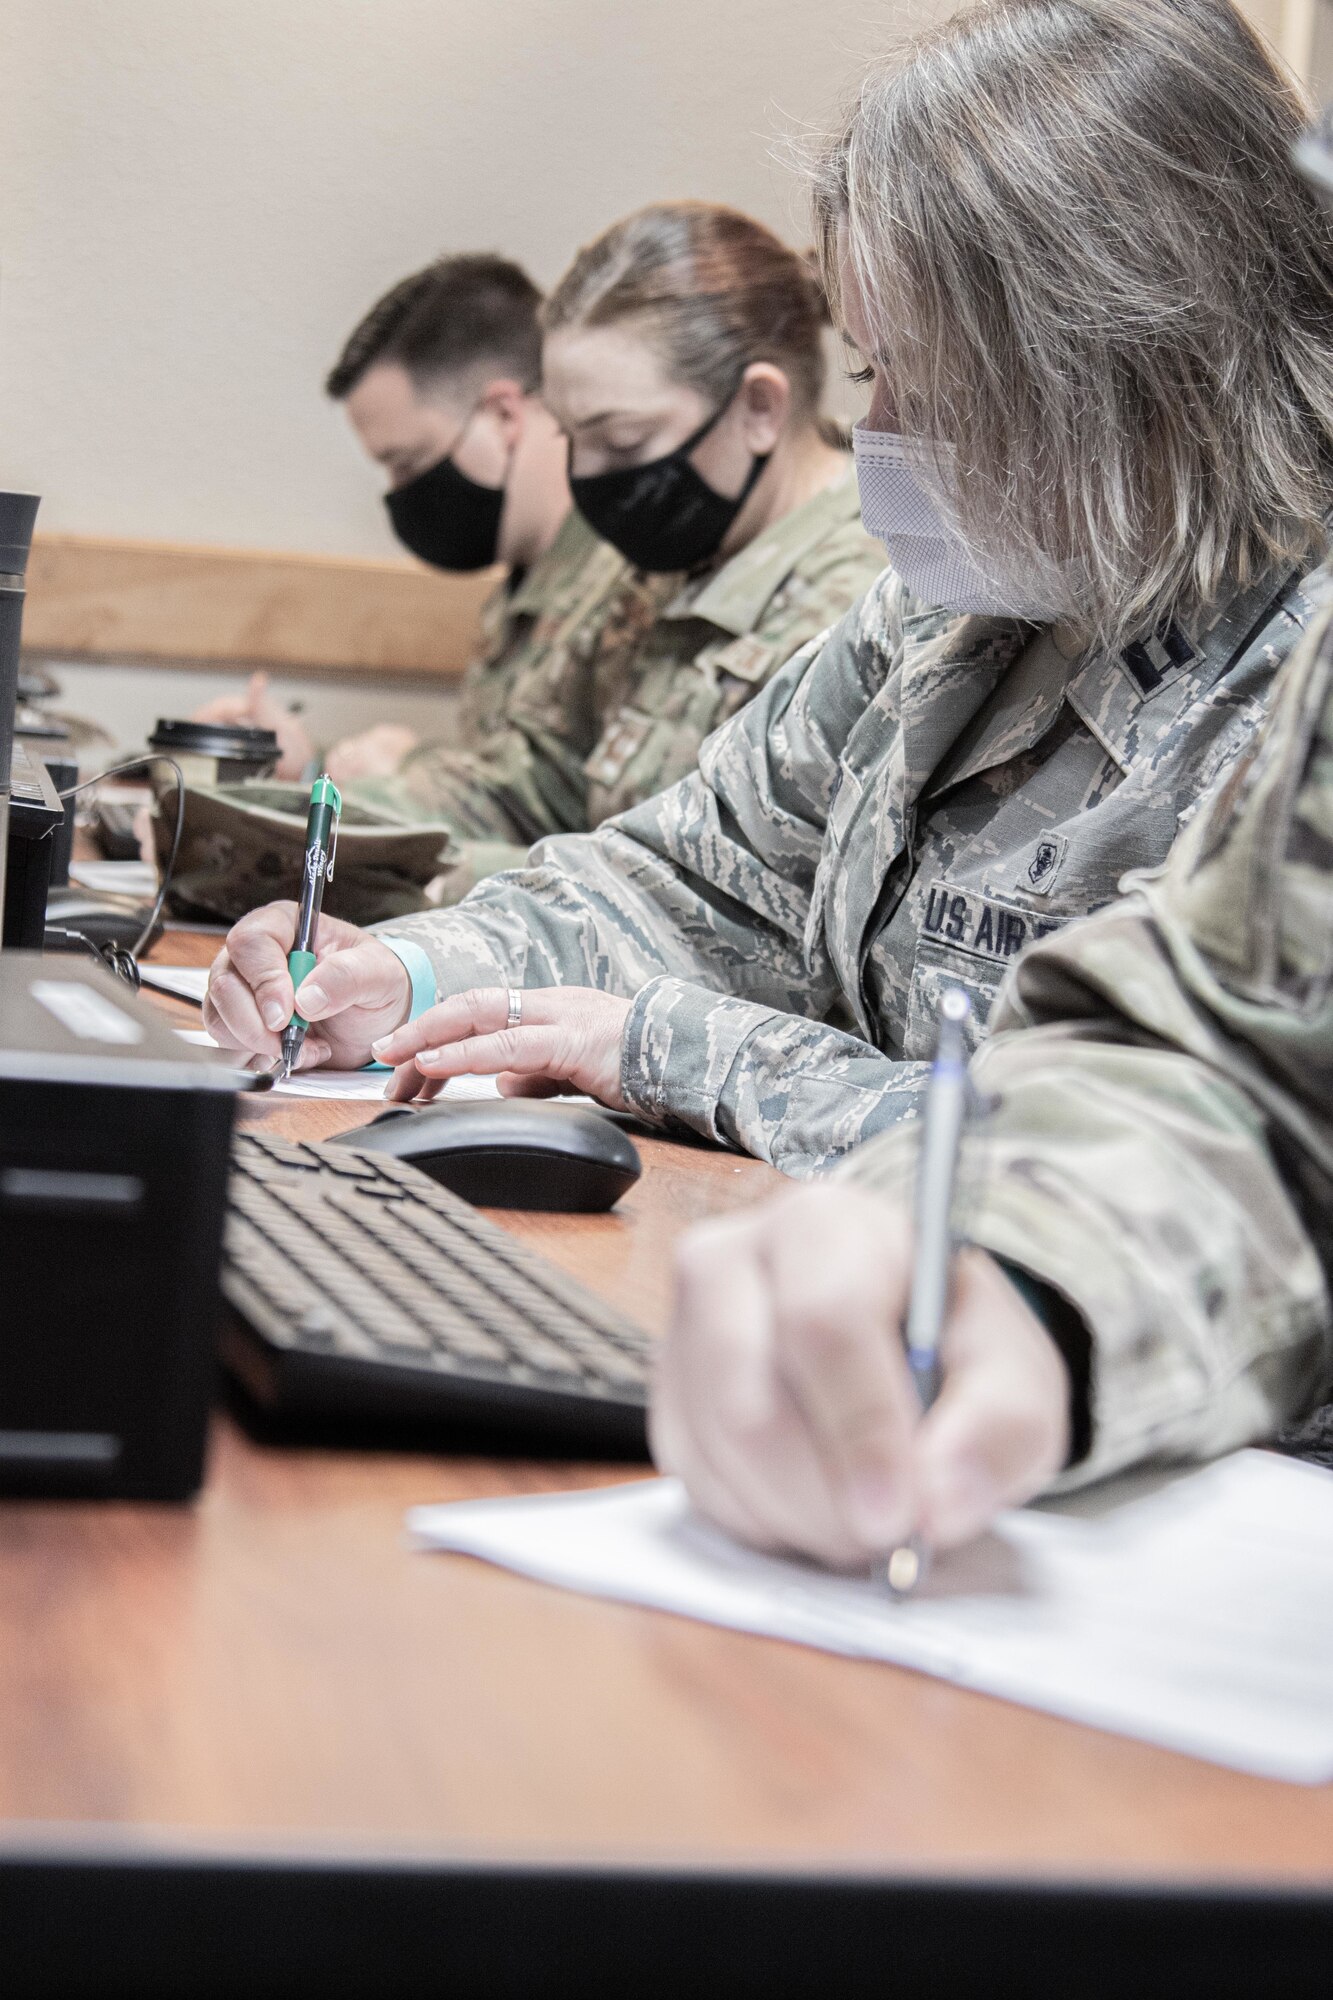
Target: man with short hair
439, 383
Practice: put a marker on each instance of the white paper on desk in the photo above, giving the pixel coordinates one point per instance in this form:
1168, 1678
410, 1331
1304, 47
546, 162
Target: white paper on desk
187, 982
364, 1083
1198, 1616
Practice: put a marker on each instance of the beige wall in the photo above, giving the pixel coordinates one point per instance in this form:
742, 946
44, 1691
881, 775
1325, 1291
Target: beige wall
201, 196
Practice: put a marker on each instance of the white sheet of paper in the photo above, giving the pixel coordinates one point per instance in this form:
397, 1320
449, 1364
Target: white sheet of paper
359, 1083
1198, 1616
187, 982
115, 878
364, 1083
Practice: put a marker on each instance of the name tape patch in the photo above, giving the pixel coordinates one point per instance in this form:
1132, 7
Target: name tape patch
981, 925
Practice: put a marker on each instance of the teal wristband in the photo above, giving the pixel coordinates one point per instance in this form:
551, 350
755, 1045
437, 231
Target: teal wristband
421, 973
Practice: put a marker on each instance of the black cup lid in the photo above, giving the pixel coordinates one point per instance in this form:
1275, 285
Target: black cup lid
213, 739
18, 511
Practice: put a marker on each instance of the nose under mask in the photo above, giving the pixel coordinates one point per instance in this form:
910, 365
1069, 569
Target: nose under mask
926, 547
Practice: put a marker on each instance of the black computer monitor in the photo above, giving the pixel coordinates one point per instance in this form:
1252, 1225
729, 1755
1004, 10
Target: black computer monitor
18, 512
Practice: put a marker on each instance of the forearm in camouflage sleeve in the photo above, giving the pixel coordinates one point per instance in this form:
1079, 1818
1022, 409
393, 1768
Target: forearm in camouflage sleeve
795, 1092
1139, 1185
710, 882
512, 792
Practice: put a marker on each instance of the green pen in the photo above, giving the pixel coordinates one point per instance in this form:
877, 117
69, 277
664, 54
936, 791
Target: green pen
321, 841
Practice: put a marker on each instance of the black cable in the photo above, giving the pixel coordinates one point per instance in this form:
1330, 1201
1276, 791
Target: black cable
119, 771
113, 956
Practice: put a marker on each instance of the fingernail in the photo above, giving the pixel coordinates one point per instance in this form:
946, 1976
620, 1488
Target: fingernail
275, 1015
427, 1056
377, 1048
314, 1000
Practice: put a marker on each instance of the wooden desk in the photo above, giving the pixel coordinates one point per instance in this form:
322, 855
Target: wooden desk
272, 1673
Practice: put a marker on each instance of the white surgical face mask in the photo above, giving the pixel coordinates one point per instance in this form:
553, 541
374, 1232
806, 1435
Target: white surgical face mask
924, 543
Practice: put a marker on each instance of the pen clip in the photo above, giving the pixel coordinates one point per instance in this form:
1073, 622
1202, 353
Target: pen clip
333, 848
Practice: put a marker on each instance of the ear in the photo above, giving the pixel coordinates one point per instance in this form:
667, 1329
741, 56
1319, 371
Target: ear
764, 401
507, 401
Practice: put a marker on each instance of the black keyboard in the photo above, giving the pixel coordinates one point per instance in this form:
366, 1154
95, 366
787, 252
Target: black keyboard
361, 1289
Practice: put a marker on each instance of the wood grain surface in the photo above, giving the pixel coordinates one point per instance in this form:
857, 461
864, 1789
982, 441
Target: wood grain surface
94, 598
274, 1664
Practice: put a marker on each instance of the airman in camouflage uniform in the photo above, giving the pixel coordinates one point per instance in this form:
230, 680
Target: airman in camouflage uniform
1159, 1142
909, 802
607, 695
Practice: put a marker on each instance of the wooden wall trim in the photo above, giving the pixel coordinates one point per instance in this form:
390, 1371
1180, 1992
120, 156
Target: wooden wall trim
96, 598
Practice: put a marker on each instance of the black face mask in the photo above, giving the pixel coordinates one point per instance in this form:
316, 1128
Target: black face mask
448, 519
663, 515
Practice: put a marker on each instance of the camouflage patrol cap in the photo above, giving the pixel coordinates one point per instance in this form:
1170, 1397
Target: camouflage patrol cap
244, 845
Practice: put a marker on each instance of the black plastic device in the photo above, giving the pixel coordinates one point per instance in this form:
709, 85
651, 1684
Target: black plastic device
36, 826
510, 1153
18, 512
114, 1143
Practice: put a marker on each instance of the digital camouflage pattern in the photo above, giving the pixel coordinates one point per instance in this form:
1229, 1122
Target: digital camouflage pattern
1158, 1142
597, 684
908, 802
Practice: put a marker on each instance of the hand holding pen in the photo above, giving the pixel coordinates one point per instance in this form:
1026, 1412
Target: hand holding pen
783, 1394
321, 842
932, 1268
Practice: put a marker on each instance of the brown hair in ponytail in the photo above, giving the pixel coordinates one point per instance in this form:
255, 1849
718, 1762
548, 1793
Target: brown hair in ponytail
713, 291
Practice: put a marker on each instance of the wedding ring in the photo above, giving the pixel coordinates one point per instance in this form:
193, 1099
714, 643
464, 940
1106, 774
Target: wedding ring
515, 1008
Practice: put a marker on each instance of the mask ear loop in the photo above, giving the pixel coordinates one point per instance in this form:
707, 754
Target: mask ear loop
758, 460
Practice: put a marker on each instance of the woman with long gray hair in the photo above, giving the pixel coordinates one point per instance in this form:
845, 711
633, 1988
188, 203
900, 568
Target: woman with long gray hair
1096, 304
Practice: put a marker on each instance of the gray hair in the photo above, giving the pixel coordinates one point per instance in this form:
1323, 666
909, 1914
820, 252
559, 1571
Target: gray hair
1089, 265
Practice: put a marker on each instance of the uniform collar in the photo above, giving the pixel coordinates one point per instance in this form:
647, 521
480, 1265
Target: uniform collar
574, 542
735, 597
1117, 696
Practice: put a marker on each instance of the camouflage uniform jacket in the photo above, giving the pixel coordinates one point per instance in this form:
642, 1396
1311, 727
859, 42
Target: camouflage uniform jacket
1158, 1142
715, 642
511, 770
907, 803
599, 684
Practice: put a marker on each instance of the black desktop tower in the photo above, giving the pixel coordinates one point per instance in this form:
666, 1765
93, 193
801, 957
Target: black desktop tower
18, 511
114, 1146
37, 835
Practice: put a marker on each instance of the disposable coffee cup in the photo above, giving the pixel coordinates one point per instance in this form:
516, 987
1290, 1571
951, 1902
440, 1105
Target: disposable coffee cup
217, 753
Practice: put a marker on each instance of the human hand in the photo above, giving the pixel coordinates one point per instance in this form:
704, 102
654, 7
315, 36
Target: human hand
375, 753
783, 1399
357, 991
257, 709
568, 1040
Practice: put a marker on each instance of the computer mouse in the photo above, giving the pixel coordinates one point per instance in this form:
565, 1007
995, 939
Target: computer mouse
508, 1153
76, 913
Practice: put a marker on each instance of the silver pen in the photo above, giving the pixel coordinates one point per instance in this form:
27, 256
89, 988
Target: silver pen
932, 1271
